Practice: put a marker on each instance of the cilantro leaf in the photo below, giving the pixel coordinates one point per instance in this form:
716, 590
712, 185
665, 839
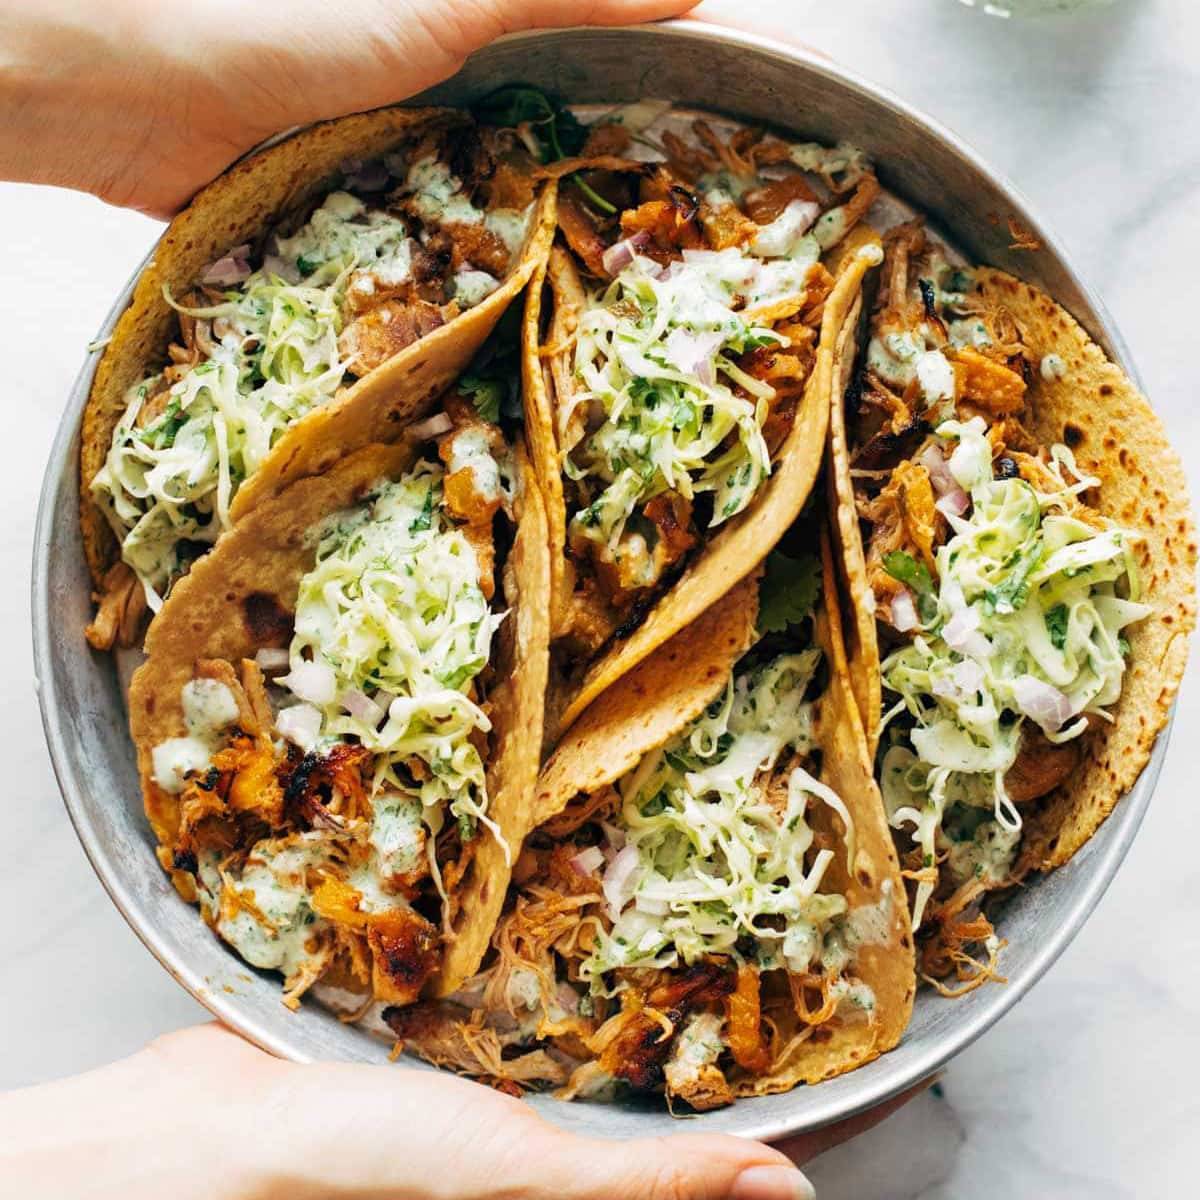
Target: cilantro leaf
914, 575
788, 591
1056, 625
424, 519
485, 394
557, 131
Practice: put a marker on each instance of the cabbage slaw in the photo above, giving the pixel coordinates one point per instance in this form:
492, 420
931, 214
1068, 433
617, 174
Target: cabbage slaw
709, 858
269, 354
391, 631
1026, 631
656, 351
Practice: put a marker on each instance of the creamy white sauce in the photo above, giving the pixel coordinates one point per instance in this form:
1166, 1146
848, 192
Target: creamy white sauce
1052, 367
175, 759
397, 833
209, 707
470, 450
988, 855
893, 357
469, 286
831, 228
273, 880
778, 239
509, 225
935, 376
698, 1045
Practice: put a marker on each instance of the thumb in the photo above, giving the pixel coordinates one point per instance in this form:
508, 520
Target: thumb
680, 1167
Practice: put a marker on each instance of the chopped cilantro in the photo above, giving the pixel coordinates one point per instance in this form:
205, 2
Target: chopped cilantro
1056, 625
556, 129
424, 519
1011, 595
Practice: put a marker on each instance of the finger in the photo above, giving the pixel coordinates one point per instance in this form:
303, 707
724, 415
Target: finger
736, 14
806, 1146
515, 15
463, 28
683, 1167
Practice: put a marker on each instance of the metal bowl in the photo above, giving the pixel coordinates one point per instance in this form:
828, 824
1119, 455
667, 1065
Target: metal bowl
695, 65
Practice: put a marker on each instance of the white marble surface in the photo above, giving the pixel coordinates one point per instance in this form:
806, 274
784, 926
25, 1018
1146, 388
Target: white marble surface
1086, 1089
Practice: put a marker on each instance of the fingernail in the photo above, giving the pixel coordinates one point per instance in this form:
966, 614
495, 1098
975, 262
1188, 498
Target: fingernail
772, 1183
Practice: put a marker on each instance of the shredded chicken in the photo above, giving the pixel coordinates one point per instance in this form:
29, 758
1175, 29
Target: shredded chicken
121, 606
902, 518
447, 1036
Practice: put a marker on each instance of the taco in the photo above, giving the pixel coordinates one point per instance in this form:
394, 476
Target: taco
314, 299
710, 907
1019, 556
339, 719
678, 372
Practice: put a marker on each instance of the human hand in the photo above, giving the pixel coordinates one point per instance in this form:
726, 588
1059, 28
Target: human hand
203, 1115
143, 101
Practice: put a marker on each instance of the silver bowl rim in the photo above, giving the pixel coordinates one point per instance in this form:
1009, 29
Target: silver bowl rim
882, 1084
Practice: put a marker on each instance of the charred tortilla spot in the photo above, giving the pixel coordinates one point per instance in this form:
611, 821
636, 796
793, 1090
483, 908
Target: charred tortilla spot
268, 622
1072, 435
185, 860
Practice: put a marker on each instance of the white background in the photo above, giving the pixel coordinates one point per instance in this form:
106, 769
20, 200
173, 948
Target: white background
1086, 1089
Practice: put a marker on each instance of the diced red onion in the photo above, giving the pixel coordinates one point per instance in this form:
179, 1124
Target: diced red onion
312, 681
968, 675
568, 998
359, 705
431, 427
692, 353
229, 269
620, 880
272, 658
904, 611
588, 862
1042, 702
300, 724
384, 699
614, 835
963, 680
953, 504
618, 256
953, 501
961, 633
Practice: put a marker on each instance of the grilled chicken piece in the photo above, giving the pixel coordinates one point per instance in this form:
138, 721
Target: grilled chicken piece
370, 340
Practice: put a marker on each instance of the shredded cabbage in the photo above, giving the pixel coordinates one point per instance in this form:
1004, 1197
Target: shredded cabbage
719, 860
391, 630
1031, 604
655, 351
